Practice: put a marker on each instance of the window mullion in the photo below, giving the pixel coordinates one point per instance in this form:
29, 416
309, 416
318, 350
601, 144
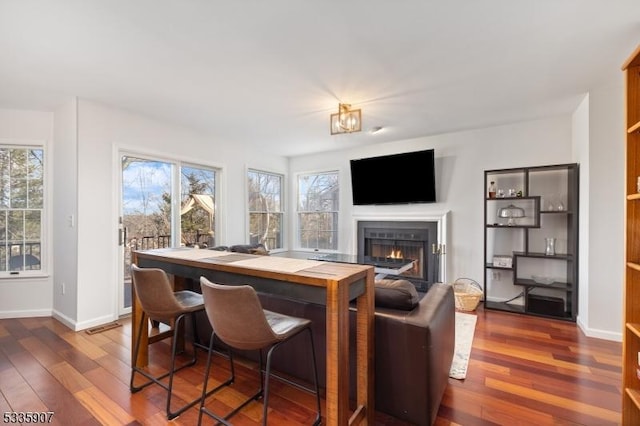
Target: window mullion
6, 240
175, 205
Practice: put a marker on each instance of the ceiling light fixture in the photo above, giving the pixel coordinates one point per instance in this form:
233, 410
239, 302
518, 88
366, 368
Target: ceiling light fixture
346, 120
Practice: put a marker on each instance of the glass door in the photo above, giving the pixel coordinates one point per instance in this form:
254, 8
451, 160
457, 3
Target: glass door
145, 220
149, 216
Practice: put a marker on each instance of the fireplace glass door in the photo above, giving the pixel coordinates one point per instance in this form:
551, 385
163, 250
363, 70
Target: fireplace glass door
399, 249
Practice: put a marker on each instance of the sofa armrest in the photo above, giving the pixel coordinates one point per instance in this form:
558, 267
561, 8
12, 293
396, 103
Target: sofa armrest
414, 351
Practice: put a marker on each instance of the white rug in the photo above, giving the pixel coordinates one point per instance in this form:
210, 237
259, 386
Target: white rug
465, 328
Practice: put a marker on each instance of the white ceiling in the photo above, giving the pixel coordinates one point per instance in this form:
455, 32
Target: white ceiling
269, 72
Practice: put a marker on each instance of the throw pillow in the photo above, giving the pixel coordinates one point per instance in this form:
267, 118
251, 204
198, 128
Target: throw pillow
249, 249
260, 250
396, 294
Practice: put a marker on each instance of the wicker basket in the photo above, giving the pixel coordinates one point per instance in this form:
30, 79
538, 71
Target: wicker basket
468, 294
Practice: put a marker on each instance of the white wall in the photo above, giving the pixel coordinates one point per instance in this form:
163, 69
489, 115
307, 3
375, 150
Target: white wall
101, 132
606, 211
461, 159
27, 297
598, 137
65, 213
580, 135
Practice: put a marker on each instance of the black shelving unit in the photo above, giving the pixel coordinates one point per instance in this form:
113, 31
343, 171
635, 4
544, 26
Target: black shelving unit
549, 197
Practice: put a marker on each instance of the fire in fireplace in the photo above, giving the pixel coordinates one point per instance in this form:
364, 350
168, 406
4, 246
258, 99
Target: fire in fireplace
402, 240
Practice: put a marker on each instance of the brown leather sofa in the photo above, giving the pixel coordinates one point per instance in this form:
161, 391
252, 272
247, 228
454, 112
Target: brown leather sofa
413, 352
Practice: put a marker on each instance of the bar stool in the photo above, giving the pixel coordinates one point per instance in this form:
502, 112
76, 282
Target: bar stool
161, 303
238, 320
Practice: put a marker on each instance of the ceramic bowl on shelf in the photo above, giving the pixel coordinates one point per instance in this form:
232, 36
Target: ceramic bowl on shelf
539, 279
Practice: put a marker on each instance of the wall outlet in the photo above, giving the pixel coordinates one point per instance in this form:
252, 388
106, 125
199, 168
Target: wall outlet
62, 288
496, 275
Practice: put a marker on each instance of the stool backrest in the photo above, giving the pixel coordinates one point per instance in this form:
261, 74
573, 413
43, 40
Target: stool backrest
236, 315
154, 292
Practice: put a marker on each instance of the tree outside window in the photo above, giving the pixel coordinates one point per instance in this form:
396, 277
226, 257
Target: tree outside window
146, 203
21, 208
318, 210
197, 214
265, 209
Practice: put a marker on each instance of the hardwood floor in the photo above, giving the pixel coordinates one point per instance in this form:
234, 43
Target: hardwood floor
531, 371
523, 371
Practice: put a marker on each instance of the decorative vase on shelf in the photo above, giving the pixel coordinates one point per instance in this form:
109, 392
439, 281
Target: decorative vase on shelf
550, 246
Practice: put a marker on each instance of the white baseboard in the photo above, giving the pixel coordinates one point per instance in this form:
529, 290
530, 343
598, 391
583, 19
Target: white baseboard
95, 322
39, 313
589, 332
26, 314
64, 319
78, 326
599, 334
69, 322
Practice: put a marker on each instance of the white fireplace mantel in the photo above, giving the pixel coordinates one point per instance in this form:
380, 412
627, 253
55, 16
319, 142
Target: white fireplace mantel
441, 218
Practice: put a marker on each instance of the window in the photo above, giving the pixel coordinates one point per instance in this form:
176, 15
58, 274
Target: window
147, 208
265, 209
21, 208
150, 217
318, 210
197, 214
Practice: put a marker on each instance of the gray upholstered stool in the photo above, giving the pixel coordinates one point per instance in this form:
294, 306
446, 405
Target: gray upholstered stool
237, 318
161, 303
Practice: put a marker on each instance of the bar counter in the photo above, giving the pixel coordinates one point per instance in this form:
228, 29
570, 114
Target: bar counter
327, 283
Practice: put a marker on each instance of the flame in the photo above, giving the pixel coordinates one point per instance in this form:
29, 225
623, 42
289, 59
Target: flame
395, 254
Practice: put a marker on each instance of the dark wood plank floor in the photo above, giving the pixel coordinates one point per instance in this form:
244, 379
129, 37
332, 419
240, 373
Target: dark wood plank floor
523, 371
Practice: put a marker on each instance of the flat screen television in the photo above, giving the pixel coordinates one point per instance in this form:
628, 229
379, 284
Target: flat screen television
394, 179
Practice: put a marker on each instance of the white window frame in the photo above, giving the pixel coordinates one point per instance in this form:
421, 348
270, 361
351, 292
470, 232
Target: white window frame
299, 212
280, 207
178, 167
120, 150
45, 224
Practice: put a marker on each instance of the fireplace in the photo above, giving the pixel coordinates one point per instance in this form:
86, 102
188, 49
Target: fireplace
410, 240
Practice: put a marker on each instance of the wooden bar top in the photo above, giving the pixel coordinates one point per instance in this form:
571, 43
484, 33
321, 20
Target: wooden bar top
301, 271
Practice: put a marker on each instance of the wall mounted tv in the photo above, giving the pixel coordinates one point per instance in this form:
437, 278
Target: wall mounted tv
394, 179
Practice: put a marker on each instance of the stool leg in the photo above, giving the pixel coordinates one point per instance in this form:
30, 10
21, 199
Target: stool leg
136, 351
265, 400
261, 369
174, 348
206, 393
267, 375
140, 371
315, 377
206, 379
196, 337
